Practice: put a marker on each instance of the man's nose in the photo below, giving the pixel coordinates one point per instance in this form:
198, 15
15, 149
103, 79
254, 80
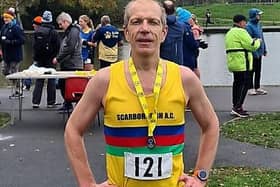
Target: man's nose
145, 26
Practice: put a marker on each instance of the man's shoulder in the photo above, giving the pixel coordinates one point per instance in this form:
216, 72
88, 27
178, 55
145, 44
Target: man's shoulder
73, 28
187, 75
102, 76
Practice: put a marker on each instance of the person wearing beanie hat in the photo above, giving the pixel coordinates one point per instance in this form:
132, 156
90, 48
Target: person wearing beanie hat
254, 28
47, 17
8, 15
37, 20
190, 45
172, 47
12, 11
239, 47
183, 14
11, 40
45, 47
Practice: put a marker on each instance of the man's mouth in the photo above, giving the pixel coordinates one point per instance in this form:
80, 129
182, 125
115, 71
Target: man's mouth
144, 40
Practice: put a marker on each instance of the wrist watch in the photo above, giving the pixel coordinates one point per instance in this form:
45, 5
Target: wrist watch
201, 174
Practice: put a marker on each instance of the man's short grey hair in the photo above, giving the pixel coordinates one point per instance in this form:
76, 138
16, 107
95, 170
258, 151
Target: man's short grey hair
105, 20
63, 16
127, 13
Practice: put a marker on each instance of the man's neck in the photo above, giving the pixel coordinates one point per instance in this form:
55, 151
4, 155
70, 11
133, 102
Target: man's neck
144, 63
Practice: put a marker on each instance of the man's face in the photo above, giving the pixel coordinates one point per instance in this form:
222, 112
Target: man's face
145, 30
63, 24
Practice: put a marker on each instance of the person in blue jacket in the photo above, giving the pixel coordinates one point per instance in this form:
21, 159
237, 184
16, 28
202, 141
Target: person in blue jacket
190, 45
172, 47
254, 28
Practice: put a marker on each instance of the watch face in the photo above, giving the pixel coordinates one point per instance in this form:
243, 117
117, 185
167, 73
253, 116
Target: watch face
202, 175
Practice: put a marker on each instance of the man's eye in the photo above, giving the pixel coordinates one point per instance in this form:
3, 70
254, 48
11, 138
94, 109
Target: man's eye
135, 22
154, 22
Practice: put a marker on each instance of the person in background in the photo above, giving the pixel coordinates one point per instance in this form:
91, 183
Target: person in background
208, 18
88, 47
254, 28
45, 47
143, 98
26, 82
172, 47
197, 32
36, 22
239, 47
16, 20
190, 45
12, 40
69, 56
108, 39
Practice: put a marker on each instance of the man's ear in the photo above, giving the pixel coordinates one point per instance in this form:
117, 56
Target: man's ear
164, 33
126, 34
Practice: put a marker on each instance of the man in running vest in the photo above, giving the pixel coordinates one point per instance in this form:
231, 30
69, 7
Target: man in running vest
143, 98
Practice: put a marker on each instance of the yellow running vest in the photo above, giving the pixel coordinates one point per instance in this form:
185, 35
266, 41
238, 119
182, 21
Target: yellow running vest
129, 162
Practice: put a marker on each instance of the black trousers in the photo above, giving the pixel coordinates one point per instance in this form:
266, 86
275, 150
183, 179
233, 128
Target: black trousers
51, 91
241, 84
256, 73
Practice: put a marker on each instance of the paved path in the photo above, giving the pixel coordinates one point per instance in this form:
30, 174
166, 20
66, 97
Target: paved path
32, 151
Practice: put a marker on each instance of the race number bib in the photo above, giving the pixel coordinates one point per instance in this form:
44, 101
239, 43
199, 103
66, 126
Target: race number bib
148, 166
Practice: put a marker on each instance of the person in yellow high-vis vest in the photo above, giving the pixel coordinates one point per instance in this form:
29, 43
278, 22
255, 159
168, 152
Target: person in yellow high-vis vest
239, 47
143, 99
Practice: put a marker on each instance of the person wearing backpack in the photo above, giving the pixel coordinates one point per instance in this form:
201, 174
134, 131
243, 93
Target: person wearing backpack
45, 48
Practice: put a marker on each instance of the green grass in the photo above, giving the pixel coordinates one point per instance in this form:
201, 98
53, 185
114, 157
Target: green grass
4, 119
243, 177
261, 129
222, 13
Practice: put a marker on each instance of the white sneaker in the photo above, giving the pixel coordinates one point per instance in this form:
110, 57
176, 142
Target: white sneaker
261, 91
51, 106
252, 92
35, 105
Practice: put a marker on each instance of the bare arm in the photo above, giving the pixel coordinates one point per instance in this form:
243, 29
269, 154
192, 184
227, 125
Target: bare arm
80, 119
204, 113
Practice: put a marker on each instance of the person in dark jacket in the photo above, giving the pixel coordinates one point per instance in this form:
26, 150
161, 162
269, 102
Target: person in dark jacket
190, 45
69, 56
108, 39
43, 56
12, 39
172, 47
254, 28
